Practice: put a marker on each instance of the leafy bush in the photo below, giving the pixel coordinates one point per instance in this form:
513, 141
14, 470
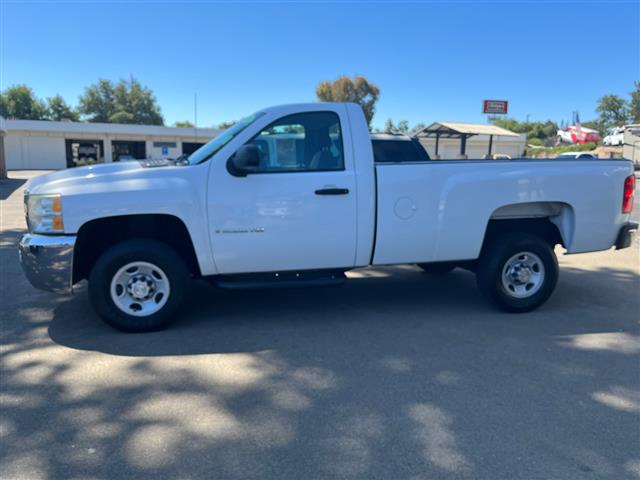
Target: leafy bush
533, 130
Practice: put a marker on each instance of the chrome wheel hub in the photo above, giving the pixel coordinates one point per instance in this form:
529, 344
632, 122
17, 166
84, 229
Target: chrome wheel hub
140, 289
523, 275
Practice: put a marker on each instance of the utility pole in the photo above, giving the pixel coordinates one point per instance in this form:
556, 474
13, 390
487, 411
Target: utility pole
3, 163
3, 160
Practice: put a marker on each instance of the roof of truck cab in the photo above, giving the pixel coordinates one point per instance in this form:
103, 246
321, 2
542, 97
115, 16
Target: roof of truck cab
389, 136
456, 129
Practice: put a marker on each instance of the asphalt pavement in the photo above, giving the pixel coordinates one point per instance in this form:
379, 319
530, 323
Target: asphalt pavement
394, 375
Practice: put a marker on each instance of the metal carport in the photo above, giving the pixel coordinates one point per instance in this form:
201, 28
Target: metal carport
462, 131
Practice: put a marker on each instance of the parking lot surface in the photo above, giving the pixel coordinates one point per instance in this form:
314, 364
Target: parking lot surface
393, 375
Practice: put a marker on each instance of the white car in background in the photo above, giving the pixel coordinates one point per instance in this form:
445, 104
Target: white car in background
580, 155
615, 137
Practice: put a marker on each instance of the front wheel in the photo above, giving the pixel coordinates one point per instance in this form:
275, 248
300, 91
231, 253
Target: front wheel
517, 272
138, 285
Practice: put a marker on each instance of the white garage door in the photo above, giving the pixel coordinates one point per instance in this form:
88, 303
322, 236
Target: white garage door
13, 152
44, 153
35, 153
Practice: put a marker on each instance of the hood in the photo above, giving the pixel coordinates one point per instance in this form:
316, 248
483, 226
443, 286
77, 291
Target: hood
58, 182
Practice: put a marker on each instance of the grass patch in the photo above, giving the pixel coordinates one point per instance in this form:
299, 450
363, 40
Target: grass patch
554, 151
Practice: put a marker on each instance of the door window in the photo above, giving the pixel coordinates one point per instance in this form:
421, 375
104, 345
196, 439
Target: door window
303, 142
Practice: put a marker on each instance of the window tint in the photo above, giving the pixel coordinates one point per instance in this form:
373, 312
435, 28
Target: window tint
302, 142
388, 151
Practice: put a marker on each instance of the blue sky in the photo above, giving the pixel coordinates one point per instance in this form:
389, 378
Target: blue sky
433, 60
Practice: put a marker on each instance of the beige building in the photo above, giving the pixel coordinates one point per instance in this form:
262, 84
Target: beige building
46, 145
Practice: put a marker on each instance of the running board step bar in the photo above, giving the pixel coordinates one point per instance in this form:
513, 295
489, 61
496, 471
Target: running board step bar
280, 279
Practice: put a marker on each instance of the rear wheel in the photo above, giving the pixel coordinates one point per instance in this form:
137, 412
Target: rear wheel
138, 285
517, 272
437, 268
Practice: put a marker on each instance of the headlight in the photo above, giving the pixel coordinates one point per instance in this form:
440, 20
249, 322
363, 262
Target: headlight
44, 213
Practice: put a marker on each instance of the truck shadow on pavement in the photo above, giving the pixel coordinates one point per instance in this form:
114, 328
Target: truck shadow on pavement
11, 237
393, 375
10, 185
223, 321
215, 320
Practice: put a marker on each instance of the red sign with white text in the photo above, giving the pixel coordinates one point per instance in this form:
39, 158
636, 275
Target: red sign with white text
495, 107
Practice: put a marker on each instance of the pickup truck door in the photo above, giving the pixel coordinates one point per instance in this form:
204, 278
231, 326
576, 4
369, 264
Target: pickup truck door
297, 211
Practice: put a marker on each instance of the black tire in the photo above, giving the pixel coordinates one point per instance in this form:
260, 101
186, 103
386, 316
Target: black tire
140, 250
437, 268
493, 262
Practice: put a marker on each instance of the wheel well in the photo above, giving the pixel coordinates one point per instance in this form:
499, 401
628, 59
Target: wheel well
542, 227
96, 236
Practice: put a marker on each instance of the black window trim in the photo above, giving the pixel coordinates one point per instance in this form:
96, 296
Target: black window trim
418, 147
422, 151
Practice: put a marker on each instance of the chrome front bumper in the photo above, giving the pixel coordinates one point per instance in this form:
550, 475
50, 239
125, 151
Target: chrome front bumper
47, 261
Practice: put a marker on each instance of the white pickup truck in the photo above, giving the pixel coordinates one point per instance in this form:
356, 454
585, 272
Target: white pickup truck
300, 194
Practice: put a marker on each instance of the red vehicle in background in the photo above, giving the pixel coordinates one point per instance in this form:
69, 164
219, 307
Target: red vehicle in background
577, 133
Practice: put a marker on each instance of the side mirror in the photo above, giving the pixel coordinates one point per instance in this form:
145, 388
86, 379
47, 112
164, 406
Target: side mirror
246, 160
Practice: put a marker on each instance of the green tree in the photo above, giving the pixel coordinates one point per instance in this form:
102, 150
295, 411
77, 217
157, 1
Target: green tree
20, 102
418, 127
634, 103
344, 89
596, 125
509, 124
225, 125
613, 111
98, 101
58, 109
125, 102
540, 130
139, 101
389, 127
123, 117
403, 126
183, 123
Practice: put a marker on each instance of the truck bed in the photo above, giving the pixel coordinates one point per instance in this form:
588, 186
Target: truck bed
423, 209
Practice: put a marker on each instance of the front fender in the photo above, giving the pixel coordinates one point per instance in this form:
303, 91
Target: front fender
176, 191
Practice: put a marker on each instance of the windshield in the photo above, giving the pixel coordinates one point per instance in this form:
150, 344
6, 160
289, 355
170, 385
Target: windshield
209, 149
